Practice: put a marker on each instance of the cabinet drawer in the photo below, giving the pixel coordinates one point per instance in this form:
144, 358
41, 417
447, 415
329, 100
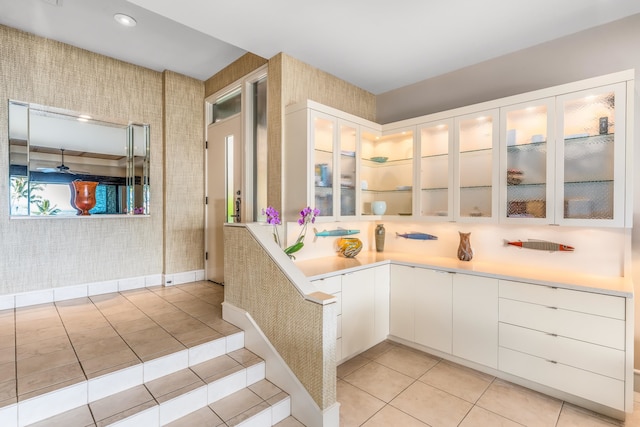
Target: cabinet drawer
329, 285
571, 324
339, 328
579, 354
585, 302
588, 385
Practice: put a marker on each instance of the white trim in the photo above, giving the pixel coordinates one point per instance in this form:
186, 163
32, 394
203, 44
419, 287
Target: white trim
63, 293
303, 407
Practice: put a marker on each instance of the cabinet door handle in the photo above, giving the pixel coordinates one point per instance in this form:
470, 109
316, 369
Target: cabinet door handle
552, 334
552, 361
552, 308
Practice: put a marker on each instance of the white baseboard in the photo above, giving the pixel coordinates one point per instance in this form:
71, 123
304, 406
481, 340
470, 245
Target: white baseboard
303, 407
63, 293
183, 277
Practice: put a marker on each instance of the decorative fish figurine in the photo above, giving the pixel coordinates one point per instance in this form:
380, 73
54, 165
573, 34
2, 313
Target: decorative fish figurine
418, 236
334, 233
541, 245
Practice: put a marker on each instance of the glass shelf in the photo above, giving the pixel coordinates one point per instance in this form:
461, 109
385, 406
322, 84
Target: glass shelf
480, 150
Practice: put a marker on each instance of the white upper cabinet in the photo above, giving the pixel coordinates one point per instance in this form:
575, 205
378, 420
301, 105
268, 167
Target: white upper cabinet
562, 159
475, 170
554, 156
322, 161
590, 152
527, 167
387, 165
435, 193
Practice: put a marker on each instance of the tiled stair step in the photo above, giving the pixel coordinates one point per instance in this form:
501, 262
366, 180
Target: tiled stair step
48, 405
232, 385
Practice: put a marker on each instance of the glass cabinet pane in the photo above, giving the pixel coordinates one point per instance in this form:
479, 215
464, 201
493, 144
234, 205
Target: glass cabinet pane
348, 142
387, 173
475, 165
323, 141
434, 169
589, 126
527, 129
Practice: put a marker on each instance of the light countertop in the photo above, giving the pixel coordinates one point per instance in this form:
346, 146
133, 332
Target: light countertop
328, 266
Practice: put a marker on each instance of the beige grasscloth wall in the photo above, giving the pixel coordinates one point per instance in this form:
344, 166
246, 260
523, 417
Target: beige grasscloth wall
183, 173
46, 253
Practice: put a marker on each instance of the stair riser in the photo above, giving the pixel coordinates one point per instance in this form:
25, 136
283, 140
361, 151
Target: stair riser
50, 404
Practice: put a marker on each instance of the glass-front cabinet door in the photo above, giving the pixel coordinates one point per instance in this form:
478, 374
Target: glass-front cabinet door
348, 137
323, 137
387, 173
591, 157
527, 162
436, 166
476, 177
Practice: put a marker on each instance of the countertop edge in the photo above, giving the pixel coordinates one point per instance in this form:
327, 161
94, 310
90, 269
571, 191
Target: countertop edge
320, 268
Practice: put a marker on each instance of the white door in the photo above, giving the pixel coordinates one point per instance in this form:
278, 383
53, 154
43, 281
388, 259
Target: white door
225, 189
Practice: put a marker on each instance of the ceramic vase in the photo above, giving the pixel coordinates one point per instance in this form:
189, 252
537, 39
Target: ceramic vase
380, 232
83, 196
349, 246
379, 207
465, 253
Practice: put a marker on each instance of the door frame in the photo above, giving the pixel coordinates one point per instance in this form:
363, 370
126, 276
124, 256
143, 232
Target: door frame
248, 164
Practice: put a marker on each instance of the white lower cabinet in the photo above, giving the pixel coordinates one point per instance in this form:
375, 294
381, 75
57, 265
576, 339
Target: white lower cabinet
333, 286
475, 319
381, 306
572, 341
358, 308
363, 308
569, 340
401, 302
433, 308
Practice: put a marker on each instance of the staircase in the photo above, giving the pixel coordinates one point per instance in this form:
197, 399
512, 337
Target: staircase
202, 376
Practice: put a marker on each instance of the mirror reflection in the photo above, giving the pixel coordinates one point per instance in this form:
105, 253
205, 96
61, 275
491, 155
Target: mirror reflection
52, 152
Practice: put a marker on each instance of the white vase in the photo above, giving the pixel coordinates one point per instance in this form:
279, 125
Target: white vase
379, 208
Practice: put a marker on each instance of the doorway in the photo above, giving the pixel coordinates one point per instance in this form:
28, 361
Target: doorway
224, 205
236, 163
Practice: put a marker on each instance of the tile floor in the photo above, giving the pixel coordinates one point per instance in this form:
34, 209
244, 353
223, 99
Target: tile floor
49, 346
393, 385
53, 345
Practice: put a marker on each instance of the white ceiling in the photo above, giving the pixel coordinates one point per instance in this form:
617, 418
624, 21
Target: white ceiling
378, 45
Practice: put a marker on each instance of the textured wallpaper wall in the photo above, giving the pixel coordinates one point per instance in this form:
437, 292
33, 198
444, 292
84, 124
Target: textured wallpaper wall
46, 253
183, 173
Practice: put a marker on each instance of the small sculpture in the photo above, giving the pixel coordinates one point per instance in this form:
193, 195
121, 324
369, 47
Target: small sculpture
465, 253
541, 245
349, 247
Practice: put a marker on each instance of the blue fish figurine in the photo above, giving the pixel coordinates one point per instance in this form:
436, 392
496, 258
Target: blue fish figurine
418, 236
334, 233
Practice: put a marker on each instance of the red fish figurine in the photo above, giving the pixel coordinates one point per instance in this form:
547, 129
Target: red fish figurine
541, 245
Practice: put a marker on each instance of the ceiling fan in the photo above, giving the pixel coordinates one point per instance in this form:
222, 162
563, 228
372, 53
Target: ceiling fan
61, 168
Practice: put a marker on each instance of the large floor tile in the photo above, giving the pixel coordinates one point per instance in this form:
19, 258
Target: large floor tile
467, 384
520, 404
573, 416
356, 406
479, 417
351, 365
407, 361
379, 381
432, 406
390, 416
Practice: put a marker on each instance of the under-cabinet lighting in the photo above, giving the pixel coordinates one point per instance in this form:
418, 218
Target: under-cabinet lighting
125, 20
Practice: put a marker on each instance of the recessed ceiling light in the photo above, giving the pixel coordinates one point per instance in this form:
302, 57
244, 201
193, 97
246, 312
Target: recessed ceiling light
125, 20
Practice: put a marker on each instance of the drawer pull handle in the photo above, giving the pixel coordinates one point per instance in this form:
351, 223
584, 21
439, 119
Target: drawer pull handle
552, 308
551, 334
552, 361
